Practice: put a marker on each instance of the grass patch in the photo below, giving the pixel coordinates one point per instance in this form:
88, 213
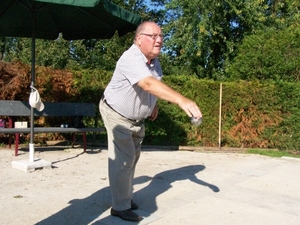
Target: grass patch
273, 153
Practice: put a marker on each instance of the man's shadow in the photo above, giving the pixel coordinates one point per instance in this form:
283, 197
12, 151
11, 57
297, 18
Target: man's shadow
87, 210
162, 182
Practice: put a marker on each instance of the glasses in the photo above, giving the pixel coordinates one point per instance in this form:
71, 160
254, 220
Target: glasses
153, 36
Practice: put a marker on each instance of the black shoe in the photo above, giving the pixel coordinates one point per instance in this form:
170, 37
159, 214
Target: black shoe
134, 206
126, 215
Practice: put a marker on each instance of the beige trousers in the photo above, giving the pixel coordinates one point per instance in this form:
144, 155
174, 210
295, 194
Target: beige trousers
124, 146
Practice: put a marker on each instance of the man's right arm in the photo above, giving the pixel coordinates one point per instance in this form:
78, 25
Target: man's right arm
162, 91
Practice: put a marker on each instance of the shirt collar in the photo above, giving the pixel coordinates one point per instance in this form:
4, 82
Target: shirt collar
152, 63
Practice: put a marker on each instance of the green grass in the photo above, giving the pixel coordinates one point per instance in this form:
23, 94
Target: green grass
273, 153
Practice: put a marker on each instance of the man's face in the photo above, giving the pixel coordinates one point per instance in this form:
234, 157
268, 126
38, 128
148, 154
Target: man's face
150, 41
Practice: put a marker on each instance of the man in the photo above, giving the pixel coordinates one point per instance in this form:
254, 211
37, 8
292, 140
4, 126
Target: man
128, 100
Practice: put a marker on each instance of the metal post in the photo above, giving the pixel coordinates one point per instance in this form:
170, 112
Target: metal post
31, 144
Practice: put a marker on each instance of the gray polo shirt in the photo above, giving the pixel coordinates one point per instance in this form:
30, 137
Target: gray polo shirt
123, 94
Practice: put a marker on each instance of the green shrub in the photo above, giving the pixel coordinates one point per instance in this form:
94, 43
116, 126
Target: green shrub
254, 114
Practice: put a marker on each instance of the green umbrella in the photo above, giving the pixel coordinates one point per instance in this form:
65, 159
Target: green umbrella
74, 19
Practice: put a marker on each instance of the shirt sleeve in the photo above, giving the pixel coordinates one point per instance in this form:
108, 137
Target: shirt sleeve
134, 68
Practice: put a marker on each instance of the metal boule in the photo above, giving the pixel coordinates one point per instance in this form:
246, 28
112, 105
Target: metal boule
195, 121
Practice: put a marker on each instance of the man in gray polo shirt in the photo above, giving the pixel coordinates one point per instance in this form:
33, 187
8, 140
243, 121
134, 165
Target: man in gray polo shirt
128, 100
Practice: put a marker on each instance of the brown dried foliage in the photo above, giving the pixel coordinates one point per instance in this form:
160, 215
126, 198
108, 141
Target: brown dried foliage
53, 86
14, 81
250, 124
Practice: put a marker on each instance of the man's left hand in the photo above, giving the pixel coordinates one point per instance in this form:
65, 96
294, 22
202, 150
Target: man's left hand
154, 114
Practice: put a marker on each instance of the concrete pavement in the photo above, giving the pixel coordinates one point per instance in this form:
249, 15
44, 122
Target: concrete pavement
170, 187
221, 189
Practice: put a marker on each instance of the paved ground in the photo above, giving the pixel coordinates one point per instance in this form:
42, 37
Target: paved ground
171, 187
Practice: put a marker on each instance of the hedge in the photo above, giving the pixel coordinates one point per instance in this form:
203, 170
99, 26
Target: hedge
253, 114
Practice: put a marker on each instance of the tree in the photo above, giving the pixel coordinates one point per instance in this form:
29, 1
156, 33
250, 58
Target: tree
271, 55
273, 52
48, 52
282, 13
203, 34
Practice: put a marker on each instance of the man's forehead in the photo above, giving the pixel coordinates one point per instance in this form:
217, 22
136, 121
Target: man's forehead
153, 28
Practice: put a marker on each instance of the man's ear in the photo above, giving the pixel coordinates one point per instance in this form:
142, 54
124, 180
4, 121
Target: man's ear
138, 40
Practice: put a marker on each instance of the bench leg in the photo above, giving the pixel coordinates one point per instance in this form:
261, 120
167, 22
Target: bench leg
9, 141
17, 143
84, 141
10, 125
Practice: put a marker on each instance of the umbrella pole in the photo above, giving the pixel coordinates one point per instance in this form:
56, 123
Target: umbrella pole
31, 143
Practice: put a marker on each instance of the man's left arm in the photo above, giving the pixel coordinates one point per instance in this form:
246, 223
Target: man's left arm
154, 113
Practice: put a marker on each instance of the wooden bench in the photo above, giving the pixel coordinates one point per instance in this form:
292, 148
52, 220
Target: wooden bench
55, 109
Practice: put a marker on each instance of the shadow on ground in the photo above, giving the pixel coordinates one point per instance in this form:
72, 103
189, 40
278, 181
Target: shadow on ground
88, 210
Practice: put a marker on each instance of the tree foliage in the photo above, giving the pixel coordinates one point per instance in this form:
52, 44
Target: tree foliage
272, 55
273, 52
48, 53
202, 35
202, 38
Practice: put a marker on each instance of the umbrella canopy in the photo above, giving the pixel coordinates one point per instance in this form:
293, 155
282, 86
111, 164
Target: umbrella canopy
74, 19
